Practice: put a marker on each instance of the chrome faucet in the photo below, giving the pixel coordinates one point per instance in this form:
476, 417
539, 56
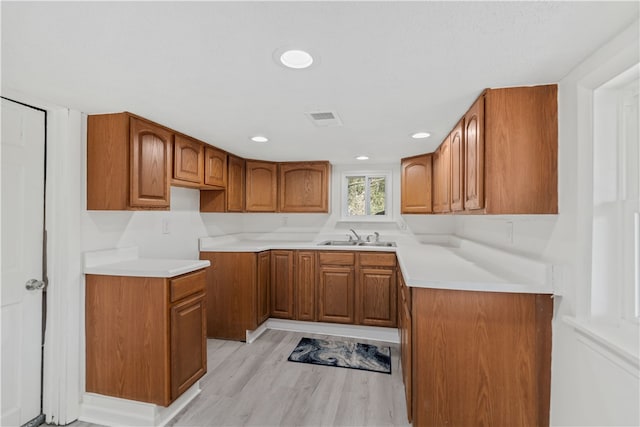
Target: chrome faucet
358, 238
377, 237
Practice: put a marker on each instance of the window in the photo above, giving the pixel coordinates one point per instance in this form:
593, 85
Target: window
366, 196
615, 280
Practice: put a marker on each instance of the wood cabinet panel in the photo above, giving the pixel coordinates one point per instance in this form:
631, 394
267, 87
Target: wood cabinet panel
336, 287
377, 259
188, 163
376, 296
282, 291
404, 324
456, 142
521, 149
231, 294
264, 286
127, 350
261, 186
150, 164
416, 184
336, 258
304, 186
474, 156
477, 358
215, 167
188, 343
305, 285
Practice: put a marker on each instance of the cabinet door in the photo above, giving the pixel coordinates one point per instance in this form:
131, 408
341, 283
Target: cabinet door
457, 167
150, 164
264, 280
305, 285
304, 187
215, 167
336, 294
437, 182
188, 168
188, 344
415, 182
282, 284
377, 297
445, 175
261, 186
474, 156
236, 184
406, 357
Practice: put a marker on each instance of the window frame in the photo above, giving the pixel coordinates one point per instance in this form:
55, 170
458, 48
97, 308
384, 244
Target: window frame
388, 208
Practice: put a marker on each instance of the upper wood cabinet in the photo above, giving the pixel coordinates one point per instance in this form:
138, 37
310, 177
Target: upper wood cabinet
128, 163
501, 158
474, 156
521, 150
456, 143
261, 186
215, 167
442, 178
188, 162
416, 185
236, 185
304, 186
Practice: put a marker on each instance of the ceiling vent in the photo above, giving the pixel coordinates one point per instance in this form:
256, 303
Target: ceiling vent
324, 118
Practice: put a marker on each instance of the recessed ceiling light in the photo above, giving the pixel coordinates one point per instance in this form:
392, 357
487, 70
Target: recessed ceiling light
296, 59
259, 138
420, 135
362, 158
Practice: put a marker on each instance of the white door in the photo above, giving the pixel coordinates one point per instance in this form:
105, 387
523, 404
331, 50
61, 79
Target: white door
23, 133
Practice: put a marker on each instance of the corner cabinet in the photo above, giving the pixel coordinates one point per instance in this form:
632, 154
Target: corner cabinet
304, 186
145, 337
416, 185
128, 163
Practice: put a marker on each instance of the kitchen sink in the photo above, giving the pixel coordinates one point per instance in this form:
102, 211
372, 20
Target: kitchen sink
338, 243
356, 243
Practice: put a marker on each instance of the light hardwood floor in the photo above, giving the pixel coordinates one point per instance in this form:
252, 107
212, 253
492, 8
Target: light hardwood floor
255, 385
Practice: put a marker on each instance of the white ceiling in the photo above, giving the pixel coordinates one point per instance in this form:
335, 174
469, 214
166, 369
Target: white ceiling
387, 68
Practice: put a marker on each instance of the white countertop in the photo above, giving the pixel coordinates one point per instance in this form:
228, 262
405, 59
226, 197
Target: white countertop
125, 262
466, 266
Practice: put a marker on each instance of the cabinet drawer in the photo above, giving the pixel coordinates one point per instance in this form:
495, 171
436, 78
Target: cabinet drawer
337, 258
375, 259
187, 285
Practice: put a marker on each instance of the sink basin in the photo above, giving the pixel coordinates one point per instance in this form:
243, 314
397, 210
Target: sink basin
378, 244
354, 243
338, 243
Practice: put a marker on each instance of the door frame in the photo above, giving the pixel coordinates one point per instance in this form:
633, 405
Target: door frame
62, 364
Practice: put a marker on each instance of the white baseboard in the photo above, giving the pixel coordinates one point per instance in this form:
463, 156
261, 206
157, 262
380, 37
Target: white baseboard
112, 411
373, 333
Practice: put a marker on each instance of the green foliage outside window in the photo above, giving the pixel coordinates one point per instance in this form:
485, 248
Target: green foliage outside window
366, 195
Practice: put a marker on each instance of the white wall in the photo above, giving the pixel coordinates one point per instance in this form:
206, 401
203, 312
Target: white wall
589, 387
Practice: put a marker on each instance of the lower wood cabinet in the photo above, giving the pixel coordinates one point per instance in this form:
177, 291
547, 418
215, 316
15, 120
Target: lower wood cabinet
232, 294
305, 286
336, 287
405, 329
264, 286
282, 297
376, 289
479, 358
145, 337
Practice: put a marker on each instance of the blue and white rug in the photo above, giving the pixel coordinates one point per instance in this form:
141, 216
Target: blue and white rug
343, 354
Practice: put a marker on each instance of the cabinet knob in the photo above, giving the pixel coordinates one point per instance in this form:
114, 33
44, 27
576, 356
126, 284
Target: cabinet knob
34, 284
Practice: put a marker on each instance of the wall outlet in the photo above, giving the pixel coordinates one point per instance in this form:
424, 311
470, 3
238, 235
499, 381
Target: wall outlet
165, 226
